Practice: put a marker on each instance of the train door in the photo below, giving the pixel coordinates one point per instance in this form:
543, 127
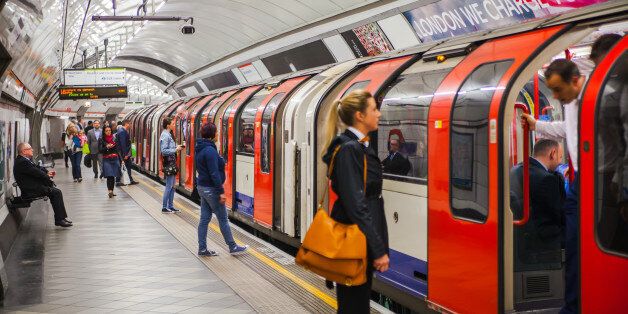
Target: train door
228, 142
603, 158
244, 138
470, 225
192, 125
146, 136
169, 112
265, 212
183, 135
402, 139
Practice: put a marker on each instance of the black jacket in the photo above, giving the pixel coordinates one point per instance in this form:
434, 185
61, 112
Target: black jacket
539, 241
399, 165
353, 206
32, 179
102, 146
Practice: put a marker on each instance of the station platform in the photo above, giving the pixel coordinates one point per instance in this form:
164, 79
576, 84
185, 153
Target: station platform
123, 255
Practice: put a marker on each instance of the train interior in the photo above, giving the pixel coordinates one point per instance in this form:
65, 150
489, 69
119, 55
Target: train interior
538, 268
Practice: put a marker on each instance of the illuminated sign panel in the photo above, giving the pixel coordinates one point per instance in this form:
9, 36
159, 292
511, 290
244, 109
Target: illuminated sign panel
95, 77
93, 92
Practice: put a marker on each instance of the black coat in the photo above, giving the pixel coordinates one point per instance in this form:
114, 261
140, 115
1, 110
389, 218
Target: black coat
399, 165
32, 179
539, 241
102, 146
353, 206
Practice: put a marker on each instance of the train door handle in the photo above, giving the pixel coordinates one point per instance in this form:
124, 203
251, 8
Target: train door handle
396, 217
526, 170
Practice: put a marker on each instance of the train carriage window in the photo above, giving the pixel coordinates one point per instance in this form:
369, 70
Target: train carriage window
469, 142
356, 85
611, 201
267, 127
245, 133
402, 133
224, 132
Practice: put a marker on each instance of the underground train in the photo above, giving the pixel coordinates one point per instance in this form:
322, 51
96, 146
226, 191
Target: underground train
453, 106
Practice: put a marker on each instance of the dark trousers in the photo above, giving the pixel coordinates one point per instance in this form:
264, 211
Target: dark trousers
66, 156
356, 299
571, 249
111, 181
56, 200
96, 163
76, 165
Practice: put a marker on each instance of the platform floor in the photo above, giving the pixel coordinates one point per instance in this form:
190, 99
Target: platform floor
122, 255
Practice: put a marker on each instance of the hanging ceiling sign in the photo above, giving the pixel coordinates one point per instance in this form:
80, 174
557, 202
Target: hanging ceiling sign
95, 77
92, 92
449, 18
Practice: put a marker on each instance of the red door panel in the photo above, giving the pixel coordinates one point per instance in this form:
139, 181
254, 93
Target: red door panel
190, 171
181, 115
263, 213
604, 273
464, 256
217, 102
242, 98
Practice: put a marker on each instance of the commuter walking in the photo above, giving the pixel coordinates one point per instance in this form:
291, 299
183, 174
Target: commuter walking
110, 161
169, 152
90, 125
73, 141
211, 175
93, 136
356, 205
124, 147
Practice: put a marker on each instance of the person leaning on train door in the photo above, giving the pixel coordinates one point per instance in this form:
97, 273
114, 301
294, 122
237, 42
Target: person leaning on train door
358, 110
563, 78
169, 150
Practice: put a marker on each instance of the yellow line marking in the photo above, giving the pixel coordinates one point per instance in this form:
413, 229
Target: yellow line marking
302, 283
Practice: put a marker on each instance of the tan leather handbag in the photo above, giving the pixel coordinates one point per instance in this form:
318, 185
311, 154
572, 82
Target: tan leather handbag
334, 250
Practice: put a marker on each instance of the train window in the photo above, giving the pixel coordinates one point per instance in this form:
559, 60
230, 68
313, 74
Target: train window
267, 131
611, 210
403, 125
356, 85
245, 133
469, 142
224, 132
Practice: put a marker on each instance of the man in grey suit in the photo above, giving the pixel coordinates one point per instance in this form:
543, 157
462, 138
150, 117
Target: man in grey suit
92, 140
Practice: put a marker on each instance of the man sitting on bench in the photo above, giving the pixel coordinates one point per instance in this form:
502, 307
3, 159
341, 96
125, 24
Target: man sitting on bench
35, 181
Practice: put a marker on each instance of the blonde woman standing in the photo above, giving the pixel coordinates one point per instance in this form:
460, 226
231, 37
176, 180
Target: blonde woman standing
358, 111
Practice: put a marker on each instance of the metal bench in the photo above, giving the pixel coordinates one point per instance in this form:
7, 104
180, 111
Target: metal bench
17, 201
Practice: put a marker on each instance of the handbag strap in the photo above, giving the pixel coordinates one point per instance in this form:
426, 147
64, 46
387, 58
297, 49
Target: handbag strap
331, 168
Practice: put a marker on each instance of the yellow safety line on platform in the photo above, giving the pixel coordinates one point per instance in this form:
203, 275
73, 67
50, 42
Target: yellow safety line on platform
302, 283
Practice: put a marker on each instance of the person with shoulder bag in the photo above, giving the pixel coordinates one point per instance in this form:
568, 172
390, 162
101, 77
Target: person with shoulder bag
108, 147
355, 172
169, 152
75, 146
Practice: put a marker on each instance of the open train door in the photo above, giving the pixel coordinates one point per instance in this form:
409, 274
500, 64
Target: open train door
469, 223
604, 185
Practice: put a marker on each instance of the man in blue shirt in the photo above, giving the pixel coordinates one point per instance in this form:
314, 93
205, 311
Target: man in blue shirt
124, 145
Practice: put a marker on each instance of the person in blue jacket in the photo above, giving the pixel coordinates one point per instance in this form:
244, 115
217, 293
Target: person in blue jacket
211, 175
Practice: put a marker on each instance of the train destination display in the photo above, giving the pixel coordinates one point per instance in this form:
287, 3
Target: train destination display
93, 92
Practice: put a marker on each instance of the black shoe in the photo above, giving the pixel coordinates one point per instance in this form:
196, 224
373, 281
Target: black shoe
63, 223
207, 252
111, 194
166, 211
133, 183
95, 176
174, 210
120, 184
80, 179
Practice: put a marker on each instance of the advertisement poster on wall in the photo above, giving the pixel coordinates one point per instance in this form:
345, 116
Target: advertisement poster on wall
449, 18
367, 40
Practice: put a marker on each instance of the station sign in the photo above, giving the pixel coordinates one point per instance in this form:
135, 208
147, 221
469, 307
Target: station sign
448, 18
95, 77
92, 92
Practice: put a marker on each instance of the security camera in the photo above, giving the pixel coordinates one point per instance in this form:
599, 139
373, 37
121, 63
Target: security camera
188, 29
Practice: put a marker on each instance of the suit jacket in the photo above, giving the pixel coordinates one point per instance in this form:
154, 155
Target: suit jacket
32, 179
539, 241
92, 141
399, 165
124, 142
354, 205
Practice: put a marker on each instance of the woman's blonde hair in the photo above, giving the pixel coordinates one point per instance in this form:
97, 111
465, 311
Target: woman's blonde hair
345, 108
71, 129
